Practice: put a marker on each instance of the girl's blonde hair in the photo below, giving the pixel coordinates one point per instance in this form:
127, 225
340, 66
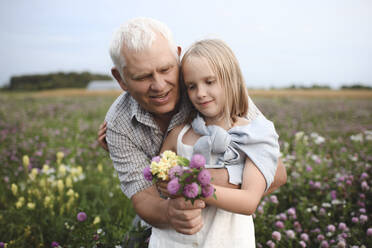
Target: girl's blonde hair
224, 64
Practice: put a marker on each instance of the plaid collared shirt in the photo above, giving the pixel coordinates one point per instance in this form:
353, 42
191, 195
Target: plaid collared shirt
133, 138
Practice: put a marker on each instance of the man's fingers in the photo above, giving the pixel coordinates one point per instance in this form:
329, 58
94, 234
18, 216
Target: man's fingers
189, 227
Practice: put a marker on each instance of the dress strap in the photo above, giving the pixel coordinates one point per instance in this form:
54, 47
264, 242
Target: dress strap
182, 133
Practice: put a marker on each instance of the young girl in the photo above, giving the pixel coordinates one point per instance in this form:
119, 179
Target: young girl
220, 132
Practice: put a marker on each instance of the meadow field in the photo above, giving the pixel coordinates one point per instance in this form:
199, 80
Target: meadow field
59, 188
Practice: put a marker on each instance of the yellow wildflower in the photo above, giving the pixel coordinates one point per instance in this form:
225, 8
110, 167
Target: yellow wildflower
42, 183
76, 195
60, 156
45, 168
99, 167
70, 192
96, 220
20, 202
62, 170
60, 185
47, 202
33, 174
14, 189
68, 182
31, 205
26, 161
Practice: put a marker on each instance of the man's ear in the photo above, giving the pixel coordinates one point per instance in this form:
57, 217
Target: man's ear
179, 49
115, 73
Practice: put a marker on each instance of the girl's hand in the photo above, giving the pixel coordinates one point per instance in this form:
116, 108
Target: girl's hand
162, 187
101, 136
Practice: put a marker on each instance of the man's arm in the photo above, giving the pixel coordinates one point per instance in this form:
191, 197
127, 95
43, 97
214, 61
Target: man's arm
129, 162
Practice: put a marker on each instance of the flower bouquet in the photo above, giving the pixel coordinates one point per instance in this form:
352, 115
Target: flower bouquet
187, 178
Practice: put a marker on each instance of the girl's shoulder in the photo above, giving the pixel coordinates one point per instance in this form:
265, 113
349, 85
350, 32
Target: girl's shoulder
176, 130
241, 122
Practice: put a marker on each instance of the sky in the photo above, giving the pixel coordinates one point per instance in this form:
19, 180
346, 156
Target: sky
278, 43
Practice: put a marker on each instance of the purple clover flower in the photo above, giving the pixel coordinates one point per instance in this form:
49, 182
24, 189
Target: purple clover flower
207, 190
342, 226
305, 237
331, 228
191, 190
274, 199
279, 224
369, 232
156, 159
81, 216
270, 244
175, 171
290, 234
204, 177
324, 244
363, 218
147, 173
2, 244
173, 186
302, 244
54, 244
197, 161
276, 236
354, 220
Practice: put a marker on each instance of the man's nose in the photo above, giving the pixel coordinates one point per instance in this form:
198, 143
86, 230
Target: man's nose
158, 83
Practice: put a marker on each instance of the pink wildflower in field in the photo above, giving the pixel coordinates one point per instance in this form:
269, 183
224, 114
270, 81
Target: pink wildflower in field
322, 211
279, 224
173, 186
2, 244
364, 185
324, 244
304, 237
369, 232
333, 194
354, 220
204, 177
341, 244
191, 190
276, 236
363, 218
331, 228
54, 244
342, 226
363, 176
291, 211
302, 244
207, 191
283, 216
270, 244
197, 161
290, 234
274, 199
147, 173
320, 237
309, 168
81, 216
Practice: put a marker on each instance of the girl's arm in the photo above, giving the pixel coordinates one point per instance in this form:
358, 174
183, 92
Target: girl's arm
244, 200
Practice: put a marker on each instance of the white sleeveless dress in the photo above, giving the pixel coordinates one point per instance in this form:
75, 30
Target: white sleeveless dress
221, 228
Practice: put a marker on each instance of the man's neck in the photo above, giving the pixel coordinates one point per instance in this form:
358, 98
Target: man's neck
163, 121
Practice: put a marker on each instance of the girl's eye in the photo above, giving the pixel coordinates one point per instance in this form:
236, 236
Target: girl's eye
190, 87
210, 82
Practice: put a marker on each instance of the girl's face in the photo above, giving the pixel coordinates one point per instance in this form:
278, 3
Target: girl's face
205, 91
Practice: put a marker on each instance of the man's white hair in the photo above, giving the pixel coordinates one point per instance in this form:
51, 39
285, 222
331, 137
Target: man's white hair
137, 35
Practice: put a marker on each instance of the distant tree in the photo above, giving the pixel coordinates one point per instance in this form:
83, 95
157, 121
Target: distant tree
356, 87
53, 81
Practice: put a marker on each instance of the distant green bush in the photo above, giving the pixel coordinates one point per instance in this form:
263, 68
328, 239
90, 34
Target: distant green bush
53, 81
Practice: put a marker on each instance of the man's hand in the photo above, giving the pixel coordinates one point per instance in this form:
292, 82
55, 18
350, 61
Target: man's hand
184, 216
102, 136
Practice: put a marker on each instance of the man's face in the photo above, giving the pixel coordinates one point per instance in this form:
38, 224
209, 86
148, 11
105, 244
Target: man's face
151, 77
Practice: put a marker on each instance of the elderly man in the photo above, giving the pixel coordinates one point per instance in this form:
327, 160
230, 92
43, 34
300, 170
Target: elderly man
146, 65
